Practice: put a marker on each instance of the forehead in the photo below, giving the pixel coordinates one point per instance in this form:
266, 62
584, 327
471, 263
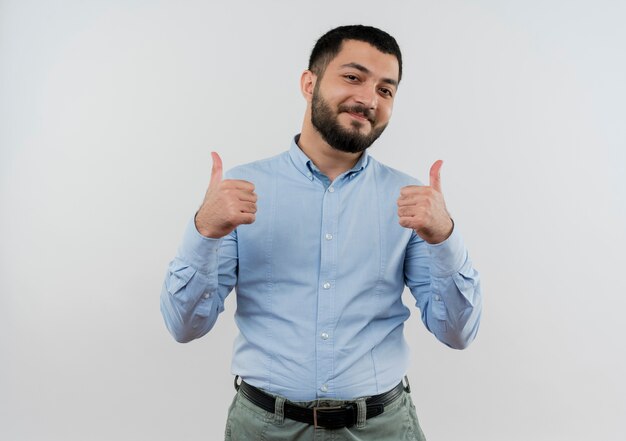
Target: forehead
359, 52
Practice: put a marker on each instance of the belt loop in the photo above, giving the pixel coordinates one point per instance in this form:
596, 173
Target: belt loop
361, 415
407, 388
237, 386
279, 411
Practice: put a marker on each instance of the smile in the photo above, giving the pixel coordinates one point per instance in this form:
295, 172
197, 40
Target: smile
358, 116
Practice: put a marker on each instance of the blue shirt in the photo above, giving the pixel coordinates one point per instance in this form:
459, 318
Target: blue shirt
319, 277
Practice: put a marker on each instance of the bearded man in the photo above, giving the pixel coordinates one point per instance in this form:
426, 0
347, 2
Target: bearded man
319, 243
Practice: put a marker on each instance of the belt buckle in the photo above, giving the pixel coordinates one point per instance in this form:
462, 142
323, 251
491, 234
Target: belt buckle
322, 408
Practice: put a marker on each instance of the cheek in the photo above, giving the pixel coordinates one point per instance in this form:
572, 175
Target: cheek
335, 95
384, 113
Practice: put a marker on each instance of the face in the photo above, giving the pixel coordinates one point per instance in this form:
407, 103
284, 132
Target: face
351, 103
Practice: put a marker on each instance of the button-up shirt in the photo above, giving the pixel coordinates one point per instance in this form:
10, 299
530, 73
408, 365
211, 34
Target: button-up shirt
319, 278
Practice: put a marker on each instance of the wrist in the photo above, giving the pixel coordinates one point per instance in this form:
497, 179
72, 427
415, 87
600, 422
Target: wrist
204, 230
436, 239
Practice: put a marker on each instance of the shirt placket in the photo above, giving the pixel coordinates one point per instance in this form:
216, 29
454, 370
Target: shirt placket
326, 293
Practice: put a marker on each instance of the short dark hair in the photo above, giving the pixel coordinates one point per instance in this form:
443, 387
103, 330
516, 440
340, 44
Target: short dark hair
329, 45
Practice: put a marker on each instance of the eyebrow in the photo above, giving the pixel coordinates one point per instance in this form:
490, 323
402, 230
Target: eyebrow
365, 70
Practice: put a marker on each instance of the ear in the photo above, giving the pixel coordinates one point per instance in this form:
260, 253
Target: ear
307, 84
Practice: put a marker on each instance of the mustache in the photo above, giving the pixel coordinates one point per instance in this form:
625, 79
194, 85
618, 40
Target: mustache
358, 109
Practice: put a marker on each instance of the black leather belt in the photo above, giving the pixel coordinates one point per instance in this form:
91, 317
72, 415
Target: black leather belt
325, 417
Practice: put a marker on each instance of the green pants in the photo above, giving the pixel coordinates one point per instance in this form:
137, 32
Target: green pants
247, 422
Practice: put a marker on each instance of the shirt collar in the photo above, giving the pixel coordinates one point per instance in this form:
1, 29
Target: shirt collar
307, 168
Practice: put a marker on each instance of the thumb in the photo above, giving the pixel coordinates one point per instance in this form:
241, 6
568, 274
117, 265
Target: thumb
216, 171
435, 175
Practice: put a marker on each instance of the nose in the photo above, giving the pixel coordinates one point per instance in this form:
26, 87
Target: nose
367, 96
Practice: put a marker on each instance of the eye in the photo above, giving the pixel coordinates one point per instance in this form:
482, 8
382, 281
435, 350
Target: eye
351, 77
386, 92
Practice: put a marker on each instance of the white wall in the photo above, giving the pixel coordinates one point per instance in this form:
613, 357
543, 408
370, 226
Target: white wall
108, 112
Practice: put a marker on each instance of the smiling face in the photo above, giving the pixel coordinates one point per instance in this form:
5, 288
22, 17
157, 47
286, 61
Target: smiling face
352, 101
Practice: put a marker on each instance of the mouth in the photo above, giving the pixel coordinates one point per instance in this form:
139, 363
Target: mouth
358, 116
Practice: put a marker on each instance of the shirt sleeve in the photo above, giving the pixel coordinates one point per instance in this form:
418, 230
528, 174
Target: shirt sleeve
446, 288
193, 295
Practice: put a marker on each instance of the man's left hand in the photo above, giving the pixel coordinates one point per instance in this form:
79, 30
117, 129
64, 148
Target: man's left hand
423, 209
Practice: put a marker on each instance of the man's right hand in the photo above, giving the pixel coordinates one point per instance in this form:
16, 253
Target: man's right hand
227, 204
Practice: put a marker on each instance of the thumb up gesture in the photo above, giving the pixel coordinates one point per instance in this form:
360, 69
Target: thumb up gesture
423, 209
227, 204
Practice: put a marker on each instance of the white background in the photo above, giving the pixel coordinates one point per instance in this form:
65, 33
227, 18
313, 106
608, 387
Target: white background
108, 112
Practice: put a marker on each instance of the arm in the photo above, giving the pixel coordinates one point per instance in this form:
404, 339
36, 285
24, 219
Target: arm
197, 282
437, 268
446, 288
205, 268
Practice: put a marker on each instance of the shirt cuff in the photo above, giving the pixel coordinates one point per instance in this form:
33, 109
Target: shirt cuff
198, 250
448, 256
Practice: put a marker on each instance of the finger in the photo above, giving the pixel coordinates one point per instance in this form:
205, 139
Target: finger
413, 194
247, 207
435, 175
408, 202
238, 184
246, 196
246, 218
405, 222
409, 211
409, 190
216, 170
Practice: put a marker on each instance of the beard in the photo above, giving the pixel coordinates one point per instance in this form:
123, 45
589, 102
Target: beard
346, 140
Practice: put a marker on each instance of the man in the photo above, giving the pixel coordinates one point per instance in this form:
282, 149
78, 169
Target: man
319, 242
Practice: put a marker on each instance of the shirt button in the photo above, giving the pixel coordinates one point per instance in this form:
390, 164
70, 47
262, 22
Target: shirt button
206, 295
326, 285
324, 336
437, 298
324, 388
328, 236
331, 189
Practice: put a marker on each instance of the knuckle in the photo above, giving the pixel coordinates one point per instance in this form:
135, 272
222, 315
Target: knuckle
406, 223
408, 190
